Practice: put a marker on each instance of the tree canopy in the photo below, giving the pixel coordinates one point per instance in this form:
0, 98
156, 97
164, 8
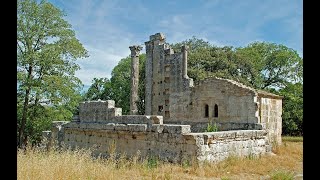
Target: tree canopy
46, 53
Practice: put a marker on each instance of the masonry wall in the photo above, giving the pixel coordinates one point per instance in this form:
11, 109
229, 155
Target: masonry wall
217, 146
98, 111
101, 128
164, 76
172, 143
165, 142
228, 103
271, 117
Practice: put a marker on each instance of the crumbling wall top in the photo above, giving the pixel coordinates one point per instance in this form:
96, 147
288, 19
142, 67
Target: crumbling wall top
157, 36
101, 103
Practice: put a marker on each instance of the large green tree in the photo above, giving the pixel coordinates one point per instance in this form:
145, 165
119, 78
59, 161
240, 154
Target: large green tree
261, 65
292, 109
98, 90
269, 65
46, 53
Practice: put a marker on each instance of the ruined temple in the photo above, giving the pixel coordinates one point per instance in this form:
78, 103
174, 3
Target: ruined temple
177, 112
173, 95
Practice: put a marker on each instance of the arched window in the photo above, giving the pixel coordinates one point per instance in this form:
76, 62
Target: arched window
206, 110
215, 110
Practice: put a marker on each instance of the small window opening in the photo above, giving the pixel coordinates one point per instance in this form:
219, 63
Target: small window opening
160, 108
167, 67
167, 114
215, 110
166, 102
167, 80
206, 110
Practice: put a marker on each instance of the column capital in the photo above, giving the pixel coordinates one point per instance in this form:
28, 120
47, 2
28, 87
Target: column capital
135, 50
184, 48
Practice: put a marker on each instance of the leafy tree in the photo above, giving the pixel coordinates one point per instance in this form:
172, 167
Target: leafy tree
205, 59
213, 61
120, 84
46, 53
268, 65
194, 45
118, 87
292, 117
97, 89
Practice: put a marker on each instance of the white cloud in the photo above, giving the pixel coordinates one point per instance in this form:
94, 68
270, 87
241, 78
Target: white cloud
176, 28
107, 43
238, 23
100, 63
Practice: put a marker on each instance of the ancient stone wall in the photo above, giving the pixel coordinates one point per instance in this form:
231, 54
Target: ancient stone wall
229, 104
98, 111
270, 115
148, 136
217, 146
217, 100
172, 143
165, 74
162, 141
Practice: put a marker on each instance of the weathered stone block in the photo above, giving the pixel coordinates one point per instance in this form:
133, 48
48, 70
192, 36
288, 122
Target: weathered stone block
94, 126
112, 112
120, 127
156, 119
157, 128
137, 127
176, 129
72, 125
132, 119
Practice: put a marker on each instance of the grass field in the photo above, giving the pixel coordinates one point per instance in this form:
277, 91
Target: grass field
78, 164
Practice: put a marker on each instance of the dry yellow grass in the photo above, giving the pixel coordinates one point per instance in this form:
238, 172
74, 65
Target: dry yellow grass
78, 164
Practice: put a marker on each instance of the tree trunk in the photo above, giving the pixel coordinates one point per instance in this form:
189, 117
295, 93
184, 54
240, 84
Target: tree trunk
25, 110
24, 119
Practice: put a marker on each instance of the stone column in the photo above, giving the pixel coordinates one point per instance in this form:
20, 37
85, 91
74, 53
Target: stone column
148, 78
135, 50
184, 50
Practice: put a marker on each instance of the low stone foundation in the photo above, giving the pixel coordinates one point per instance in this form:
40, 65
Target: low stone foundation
106, 131
168, 142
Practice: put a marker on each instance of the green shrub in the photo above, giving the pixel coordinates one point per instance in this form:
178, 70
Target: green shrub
212, 127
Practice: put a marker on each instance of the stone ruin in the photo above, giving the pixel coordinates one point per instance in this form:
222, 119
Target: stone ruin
177, 112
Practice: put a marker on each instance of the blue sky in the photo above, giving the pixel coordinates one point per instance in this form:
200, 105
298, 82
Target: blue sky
107, 28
